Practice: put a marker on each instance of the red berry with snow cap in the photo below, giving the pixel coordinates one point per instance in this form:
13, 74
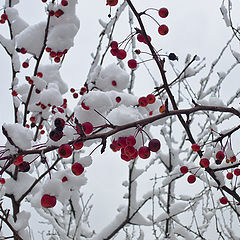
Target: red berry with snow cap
87, 127
77, 169
48, 201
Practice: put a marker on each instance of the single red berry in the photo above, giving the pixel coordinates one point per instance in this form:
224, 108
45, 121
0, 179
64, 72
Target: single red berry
25, 64
39, 74
78, 144
48, 201
42, 131
191, 178
14, 93
2, 21
56, 134
142, 101
18, 160
129, 150
23, 51
184, 169
112, 2
64, 3
24, 166
2, 180
75, 95
144, 152
57, 59
114, 51
233, 159
53, 54
154, 145
220, 155
64, 179
114, 45
229, 175
137, 51
122, 142
223, 200
65, 150
118, 99
163, 29
125, 157
163, 12
195, 147
237, 171
135, 154
84, 106
83, 90
77, 169
114, 147
162, 109
59, 123
48, 49
72, 90
132, 63
114, 83
151, 98
131, 140
44, 1
204, 162
4, 16
140, 37
121, 54
87, 127
59, 13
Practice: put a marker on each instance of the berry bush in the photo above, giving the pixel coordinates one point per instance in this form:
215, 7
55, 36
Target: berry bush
172, 144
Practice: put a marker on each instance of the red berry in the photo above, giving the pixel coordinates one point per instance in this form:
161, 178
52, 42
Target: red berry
48, 201
191, 178
114, 51
114, 147
65, 150
204, 162
39, 74
51, 13
24, 166
18, 160
220, 155
163, 12
48, 49
122, 142
64, 179
53, 54
118, 99
129, 150
140, 37
125, 157
23, 51
131, 140
87, 127
42, 131
56, 134
114, 45
162, 29
64, 3
77, 169
78, 144
121, 54
59, 13
114, 83
2, 21
14, 93
44, 1
151, 98
154, 145
4, 16
57, 59
25, 64
237, 171
144, 152
132, 63
223, 200
229, 175
162, 109
112, 2
59, 123
75, 95
184, 169
142, 101
2, 180
84, 106
72, 90
195, 147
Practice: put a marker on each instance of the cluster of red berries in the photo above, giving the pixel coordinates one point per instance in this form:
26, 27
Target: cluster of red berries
81, 92
4, 18
144, 101
128, 151
56, 55
63, 2
115, 51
